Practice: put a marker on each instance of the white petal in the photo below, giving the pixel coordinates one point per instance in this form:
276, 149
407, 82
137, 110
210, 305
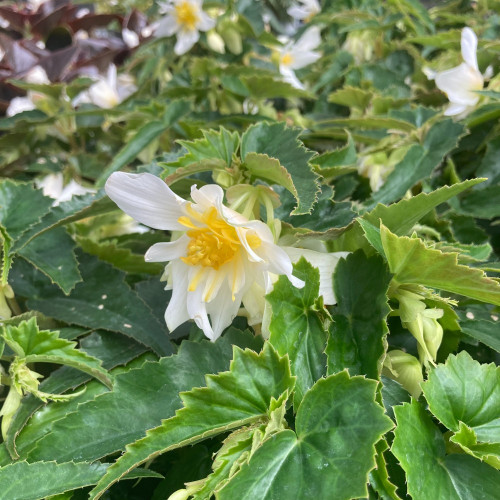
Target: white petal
205, 22
19, 104
325, 263
222, 310
166, 27
197, 310
111, 76
289, 77
279, 262
103, 95
147, 199
458, 83
131, 38
185, 40
469, 47
456, 109
304, 58
52, 185
207, 196
310, 40
177, 312
37, 75
163, 252
298, 12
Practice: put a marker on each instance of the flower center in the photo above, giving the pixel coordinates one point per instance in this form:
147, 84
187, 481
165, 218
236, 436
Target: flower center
214, 244
287, 59
187, 15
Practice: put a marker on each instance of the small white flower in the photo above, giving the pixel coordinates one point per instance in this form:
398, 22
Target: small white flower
459, 83
184, 18
109, 90
217, 259
131, 38
53, 187
19, 104
296, 55
304, 10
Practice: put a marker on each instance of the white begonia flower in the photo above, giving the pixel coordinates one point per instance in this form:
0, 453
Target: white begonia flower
296, 55
108, 91
53, 187
185, 19
459, 83
131, 38
215, 262
304, 10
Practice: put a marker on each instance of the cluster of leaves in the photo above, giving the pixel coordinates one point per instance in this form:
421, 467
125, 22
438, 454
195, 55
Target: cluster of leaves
363, 161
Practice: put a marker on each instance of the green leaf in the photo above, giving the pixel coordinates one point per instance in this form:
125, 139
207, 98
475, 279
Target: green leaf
333, 163
33, 481
420, 160
485, 113
280, 142
482, 203
412, 262
370, 122
400, 217
482, 330
420, 448
21, 206
331, 453
144, 136
352, 97
463, 390
231, 399
45, 346
357, 334
297, 326
142, 397
53, 254
267, 87
103, 300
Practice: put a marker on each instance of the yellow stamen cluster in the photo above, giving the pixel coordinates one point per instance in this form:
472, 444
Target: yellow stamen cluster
186, 15
287, 59
214, 242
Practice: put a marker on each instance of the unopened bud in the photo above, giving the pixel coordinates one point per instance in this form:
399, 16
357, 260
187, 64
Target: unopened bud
405, 369
232, 37
215, 42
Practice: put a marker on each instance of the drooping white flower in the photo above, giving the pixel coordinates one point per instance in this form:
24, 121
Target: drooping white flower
53, 187
296, 55
215, 262
109, 90
304, 10
460, 82
185, 19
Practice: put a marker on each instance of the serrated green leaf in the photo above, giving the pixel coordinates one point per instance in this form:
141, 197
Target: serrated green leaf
231, 399
53, 253
34, 481
412, 262
21, 206
420, 448
420, 160
297, 327
280, 142
482, 203
356, 340
463, 390
337, 426
485, 113
142, 397
332, 163
35, 345
103, 300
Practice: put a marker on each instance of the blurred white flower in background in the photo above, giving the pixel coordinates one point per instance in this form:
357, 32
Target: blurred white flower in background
304, 10
185, 19
460, 82
296, 55
19, 104
108, 90
53, 186
218, 259
131, 38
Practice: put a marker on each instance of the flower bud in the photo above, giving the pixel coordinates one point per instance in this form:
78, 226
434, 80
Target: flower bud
179, 495
231, 36
215, 42
405, 369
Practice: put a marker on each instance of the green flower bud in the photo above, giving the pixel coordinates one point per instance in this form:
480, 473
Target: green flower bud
231, 36
405, 369
215, 42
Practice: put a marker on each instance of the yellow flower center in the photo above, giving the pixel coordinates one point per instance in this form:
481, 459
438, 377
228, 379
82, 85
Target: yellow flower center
187, 15
213, 244
287, 59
